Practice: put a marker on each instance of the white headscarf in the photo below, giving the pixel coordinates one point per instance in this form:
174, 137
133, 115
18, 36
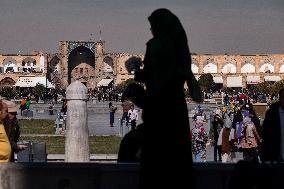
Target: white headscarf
228, 120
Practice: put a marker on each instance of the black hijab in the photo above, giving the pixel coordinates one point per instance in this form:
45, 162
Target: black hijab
166, 26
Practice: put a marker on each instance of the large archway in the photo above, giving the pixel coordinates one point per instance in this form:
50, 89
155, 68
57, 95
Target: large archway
108, 65
229, 68
248, 68
7, 81
54, 67
10, 65
78, 56
210, 68
29, 65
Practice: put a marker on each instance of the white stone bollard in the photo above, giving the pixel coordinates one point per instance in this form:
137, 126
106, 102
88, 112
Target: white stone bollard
77, 132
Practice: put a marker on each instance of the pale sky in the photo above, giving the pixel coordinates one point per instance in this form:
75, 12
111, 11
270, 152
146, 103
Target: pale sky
212, 26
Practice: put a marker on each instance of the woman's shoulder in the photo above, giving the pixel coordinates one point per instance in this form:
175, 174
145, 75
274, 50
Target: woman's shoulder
157, 44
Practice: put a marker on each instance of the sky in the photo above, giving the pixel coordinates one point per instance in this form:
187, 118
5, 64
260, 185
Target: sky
212, 26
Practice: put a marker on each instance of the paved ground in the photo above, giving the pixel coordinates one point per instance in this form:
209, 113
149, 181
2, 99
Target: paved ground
98, 119
98, 116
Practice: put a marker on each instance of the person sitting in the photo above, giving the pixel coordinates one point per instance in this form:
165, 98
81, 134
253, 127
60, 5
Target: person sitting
12, 129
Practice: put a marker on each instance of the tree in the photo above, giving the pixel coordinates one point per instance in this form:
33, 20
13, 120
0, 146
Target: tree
277, 86
206, 81
122, 86
39, 89
133, 64
264, 87
8, 93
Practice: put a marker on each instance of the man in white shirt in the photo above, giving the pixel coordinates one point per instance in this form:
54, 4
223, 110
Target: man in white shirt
133, 117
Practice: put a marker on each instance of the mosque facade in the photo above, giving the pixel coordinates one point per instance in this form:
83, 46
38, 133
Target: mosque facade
90, 63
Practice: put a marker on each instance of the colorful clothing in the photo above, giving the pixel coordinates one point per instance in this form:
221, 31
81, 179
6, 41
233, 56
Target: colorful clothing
199, 140
5, 147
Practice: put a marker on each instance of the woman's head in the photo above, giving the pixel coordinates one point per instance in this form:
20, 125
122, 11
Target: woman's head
168, 30
164, 23
3, 110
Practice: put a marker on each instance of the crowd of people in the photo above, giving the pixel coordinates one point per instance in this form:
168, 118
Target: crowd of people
231, 130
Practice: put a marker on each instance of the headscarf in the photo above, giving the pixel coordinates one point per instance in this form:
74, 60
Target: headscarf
228, 120
166, 26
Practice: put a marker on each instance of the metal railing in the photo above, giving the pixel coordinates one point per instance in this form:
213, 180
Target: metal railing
60, 123
124, 127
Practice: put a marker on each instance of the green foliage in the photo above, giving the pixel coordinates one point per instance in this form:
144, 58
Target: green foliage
277, 86
264, 87
8, 92
252, 88
39, 89
122, 86
206, 81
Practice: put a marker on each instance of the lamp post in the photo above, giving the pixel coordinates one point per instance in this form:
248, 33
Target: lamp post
46, 76
47, 71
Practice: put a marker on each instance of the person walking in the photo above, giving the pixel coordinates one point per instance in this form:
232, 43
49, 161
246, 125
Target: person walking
249, 140
112, 110
133, 117
227, 139
167, 66
217, 125
126, 104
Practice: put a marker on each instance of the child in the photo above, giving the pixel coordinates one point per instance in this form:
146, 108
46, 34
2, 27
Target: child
199, 140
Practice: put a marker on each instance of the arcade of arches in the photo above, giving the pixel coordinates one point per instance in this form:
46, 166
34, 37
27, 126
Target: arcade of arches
88, 62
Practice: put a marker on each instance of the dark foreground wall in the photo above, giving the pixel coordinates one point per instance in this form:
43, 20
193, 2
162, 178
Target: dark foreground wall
125, 176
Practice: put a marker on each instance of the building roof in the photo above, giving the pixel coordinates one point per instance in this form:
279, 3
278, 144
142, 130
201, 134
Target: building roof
104, 82
31, 81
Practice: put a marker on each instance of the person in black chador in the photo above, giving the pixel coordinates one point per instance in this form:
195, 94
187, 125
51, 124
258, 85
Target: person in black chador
217, 124
166, 158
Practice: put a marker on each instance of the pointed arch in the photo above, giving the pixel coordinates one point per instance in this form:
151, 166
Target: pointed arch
210, 68
9, 65
108, 64
29, 65
229, 68
7, 81
78, 55
248, 68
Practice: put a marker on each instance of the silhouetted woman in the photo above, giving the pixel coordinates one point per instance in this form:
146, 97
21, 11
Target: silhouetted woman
166, 158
